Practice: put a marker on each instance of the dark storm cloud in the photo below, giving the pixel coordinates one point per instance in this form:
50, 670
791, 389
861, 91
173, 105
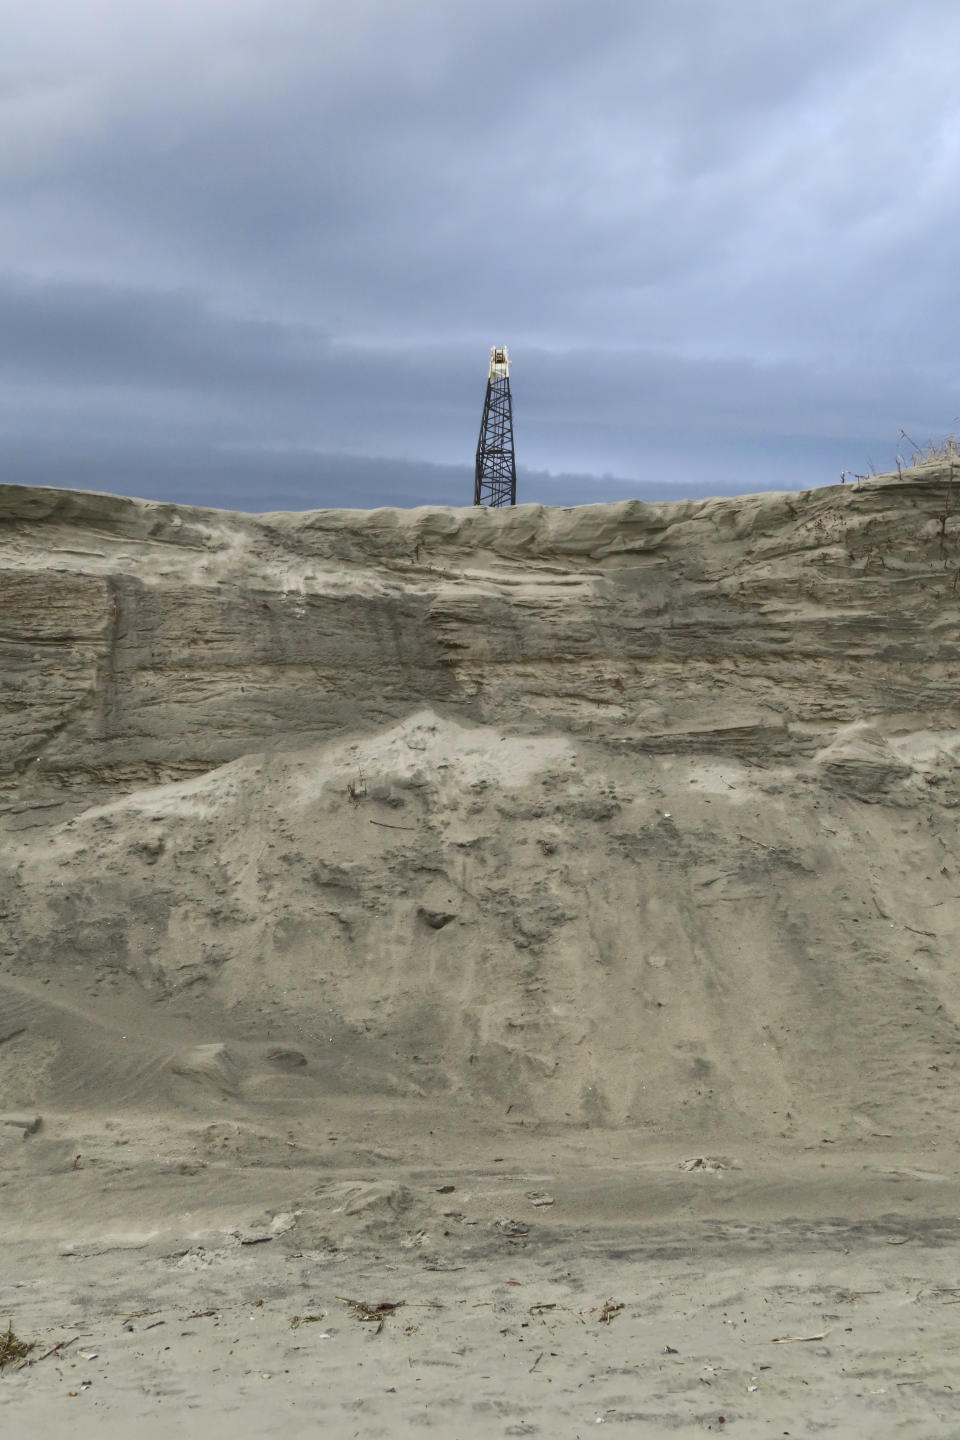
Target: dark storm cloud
718, 238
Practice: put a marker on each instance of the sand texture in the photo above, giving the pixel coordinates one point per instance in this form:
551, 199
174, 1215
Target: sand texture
522, 915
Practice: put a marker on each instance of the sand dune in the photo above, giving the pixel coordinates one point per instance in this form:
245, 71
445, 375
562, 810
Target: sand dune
606, 856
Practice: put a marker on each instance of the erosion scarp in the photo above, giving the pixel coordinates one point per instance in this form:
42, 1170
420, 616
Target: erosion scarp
626, 815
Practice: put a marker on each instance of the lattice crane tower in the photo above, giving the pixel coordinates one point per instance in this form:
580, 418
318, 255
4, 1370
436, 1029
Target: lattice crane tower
495, 477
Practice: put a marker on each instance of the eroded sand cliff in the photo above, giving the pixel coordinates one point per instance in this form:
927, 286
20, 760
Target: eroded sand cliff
628, 814
544, 922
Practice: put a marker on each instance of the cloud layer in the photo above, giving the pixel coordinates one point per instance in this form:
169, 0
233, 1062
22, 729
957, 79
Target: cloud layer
718, 239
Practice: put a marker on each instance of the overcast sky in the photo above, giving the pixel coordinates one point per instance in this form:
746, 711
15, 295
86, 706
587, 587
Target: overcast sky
254, 252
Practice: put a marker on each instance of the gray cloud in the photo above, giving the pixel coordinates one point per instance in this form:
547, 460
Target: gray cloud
717, 238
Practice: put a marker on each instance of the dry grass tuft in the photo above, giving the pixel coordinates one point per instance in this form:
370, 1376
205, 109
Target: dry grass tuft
12, 1347
948, 448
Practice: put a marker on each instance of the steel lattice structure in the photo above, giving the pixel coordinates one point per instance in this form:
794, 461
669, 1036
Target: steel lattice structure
495, 477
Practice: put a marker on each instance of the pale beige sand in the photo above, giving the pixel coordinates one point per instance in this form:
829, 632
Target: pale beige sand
605, 858
178, 1291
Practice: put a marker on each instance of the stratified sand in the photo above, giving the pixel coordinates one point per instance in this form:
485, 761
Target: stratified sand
546, 920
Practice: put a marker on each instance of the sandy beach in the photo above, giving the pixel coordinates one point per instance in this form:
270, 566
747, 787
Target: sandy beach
661, 1295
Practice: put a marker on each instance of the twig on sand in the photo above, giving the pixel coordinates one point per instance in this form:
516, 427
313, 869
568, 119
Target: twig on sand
55, 1349
382, 824
377, 1311
797, 1339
